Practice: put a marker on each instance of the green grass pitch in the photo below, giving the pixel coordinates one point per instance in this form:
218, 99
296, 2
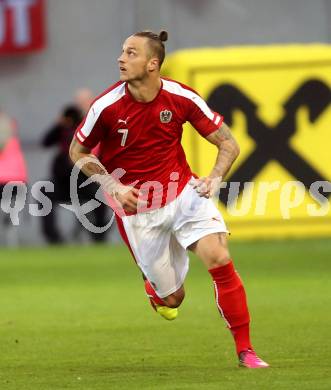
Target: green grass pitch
77, 318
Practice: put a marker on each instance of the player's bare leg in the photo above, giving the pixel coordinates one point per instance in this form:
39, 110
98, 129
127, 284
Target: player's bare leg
167, 306
229, 294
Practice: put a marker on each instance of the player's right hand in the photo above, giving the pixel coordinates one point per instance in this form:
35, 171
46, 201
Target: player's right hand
128, 197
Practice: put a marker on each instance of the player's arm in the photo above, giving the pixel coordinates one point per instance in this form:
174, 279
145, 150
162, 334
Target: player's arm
228, 151
90, 165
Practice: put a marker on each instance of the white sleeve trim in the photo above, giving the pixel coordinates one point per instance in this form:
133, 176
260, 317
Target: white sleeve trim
96, 109
81, 139
177, 89
217, 120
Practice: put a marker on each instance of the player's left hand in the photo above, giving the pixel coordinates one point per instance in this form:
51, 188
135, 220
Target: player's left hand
206, 187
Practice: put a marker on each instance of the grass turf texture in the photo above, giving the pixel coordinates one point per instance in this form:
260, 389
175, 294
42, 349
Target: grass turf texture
77, 318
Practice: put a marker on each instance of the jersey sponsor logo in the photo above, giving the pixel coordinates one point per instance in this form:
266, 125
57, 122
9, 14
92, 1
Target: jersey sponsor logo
165, 116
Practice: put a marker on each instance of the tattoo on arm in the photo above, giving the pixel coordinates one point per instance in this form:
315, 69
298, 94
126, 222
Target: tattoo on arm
90, 165
222, 134
228, 150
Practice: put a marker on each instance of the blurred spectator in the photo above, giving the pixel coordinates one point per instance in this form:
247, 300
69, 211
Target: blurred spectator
6, 127
83, 99
60, 135
12, 163
12, 169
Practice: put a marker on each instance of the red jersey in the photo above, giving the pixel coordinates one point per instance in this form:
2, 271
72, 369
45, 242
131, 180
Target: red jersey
144, 139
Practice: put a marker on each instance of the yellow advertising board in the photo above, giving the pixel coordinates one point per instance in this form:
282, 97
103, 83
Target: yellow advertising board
277, 101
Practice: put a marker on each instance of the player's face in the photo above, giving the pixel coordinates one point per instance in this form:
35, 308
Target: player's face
134, 60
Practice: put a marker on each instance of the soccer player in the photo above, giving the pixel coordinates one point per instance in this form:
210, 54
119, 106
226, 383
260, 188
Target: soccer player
162, 209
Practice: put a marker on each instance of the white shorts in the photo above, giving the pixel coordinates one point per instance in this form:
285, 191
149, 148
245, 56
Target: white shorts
159, 238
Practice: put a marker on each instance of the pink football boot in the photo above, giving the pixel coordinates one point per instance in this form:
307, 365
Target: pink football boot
249, 359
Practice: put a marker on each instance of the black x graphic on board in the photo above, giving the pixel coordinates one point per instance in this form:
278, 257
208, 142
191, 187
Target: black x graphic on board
272, 143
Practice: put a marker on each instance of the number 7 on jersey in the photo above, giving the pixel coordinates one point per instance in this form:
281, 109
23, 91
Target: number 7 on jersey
124, 133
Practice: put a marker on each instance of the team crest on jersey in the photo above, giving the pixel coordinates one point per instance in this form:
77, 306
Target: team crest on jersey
165, 116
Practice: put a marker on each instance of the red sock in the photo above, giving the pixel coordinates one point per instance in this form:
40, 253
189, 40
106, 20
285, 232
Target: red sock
152, 295
231, 302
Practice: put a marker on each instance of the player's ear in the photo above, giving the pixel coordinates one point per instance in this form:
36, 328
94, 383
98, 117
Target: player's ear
153, 64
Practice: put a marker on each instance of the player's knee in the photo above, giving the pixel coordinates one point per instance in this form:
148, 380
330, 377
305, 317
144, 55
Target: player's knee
219, 258
174, 300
